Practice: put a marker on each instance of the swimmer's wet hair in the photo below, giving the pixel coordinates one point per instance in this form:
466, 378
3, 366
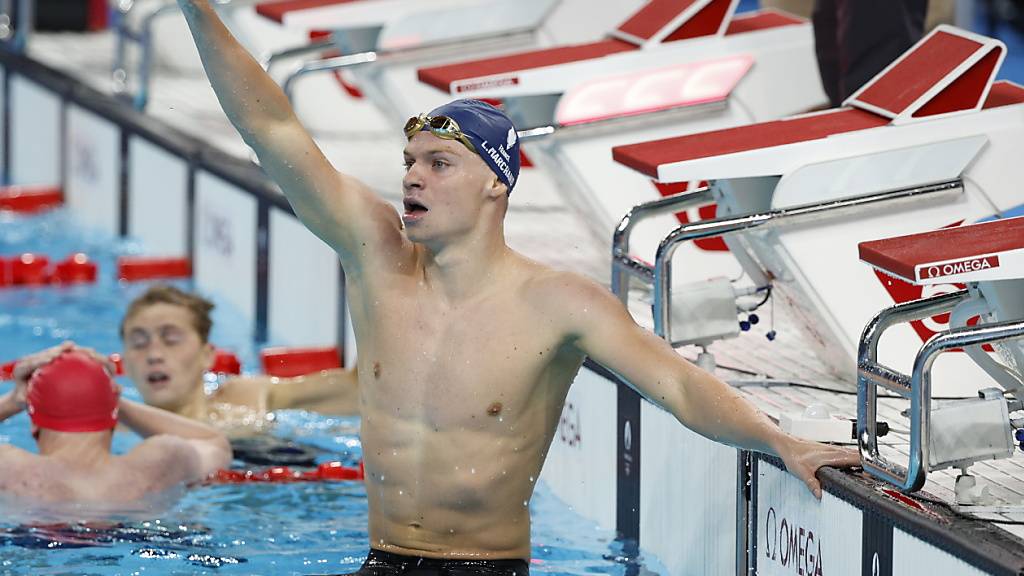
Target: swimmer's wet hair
163, 294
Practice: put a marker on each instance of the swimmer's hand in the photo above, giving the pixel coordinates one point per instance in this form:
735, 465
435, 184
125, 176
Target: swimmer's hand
803, 458
25, 367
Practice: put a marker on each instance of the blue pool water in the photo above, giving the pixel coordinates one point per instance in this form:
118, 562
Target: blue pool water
309, 528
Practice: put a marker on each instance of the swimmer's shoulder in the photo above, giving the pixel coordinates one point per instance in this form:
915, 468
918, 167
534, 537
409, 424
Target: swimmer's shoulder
170, 458
248, 391
560, 294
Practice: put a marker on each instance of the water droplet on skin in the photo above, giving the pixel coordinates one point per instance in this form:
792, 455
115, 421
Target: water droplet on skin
472, 470
401, 492
525, 503
531, 478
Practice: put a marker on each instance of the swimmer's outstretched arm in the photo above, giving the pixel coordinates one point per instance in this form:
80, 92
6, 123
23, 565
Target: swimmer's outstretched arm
336, 207
210, 445
597, 323
334, 392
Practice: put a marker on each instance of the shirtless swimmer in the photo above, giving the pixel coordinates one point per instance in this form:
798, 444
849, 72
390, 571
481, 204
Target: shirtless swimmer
466, 348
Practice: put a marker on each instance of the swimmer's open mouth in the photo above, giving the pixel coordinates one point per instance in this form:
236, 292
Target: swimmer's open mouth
413, 208
157, 378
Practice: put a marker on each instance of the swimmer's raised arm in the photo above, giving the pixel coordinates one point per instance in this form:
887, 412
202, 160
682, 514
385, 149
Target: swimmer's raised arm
599, 326
336, 207
210, 446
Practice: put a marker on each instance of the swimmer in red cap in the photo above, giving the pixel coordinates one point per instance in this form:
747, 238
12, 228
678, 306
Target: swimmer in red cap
74, 407
466, 348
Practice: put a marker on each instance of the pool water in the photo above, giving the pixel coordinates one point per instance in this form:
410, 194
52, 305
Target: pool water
303, 528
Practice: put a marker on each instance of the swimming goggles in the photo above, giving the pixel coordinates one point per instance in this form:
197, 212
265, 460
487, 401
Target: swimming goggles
440, 126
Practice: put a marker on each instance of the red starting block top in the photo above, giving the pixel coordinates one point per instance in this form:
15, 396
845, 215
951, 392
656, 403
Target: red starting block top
461, 75
276, 10
949, 70
988, 251
647, 157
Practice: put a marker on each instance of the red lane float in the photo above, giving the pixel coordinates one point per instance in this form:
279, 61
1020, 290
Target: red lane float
328, 471
133, 268
290, 362
34, 270
224, 362
30, 199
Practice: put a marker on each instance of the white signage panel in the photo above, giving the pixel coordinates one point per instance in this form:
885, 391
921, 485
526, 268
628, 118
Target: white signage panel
798, 535
303, 293
157, 198
225, 243
580, 467
92, 154
34, 134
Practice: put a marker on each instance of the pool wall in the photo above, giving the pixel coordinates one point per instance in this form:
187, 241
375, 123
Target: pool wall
616, 459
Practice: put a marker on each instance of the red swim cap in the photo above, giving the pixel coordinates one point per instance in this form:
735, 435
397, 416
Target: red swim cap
73, 393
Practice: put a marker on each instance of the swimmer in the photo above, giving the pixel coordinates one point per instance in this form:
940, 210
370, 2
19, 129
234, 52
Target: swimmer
166, 332
467, 349
74, 406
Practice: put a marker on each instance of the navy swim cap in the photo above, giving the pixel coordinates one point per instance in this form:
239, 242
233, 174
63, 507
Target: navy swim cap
491, 132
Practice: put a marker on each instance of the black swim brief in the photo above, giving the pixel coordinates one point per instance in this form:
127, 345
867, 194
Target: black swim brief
387, 564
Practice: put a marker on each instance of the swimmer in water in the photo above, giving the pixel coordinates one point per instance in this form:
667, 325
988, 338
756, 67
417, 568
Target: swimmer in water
166, 332
467, 349
74, 406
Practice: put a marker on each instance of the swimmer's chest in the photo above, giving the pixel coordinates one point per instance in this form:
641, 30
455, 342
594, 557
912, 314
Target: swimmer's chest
487, 355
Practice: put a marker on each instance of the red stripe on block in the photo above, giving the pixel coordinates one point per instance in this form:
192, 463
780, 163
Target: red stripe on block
965, 92
707, 22
657, 14
442, 77
761, 21
918, 72
276, 10
1004, 93
646, 157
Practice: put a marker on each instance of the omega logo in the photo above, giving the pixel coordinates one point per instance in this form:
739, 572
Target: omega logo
792, 546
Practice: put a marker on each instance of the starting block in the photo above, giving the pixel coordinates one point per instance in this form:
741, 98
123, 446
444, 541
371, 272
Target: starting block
931, 142
989, 259
672, 67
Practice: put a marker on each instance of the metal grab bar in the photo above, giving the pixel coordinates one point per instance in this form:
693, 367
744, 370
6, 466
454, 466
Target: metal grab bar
268, 61
916, 387
625, 266
144, 38
17, 33
729, 225
326, 65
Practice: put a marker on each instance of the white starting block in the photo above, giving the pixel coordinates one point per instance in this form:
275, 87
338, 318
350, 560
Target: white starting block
383, 42
673, 66
989, 258
929, 143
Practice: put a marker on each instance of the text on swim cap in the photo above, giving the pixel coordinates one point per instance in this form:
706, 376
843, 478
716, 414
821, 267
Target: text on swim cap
501, 159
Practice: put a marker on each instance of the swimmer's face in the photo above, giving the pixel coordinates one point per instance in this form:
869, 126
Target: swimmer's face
165, 356
446, 187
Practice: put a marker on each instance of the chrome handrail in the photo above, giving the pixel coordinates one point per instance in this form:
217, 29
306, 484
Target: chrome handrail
326, 65
729, 225
17, 33
916, 387
268, 60
144, 38
625, 266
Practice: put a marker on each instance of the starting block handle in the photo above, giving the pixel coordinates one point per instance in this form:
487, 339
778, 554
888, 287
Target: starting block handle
744, 222
871, 374
625, 266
